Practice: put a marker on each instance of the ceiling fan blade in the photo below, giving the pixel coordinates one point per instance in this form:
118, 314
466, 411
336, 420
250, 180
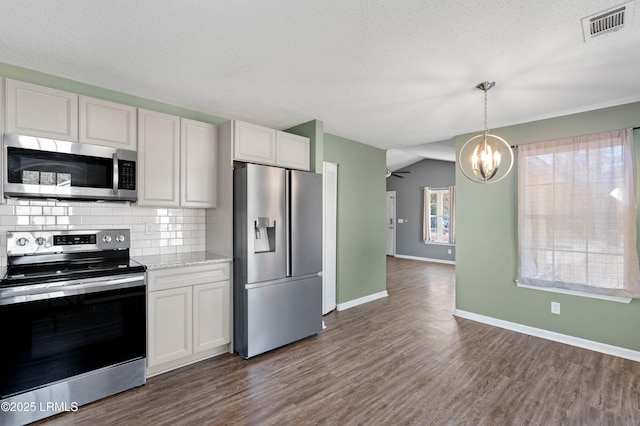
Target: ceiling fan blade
390, 173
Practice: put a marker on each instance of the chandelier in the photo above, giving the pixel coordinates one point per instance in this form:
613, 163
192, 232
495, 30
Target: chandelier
481, 157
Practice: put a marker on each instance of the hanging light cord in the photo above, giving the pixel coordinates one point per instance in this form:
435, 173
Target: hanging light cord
486, 128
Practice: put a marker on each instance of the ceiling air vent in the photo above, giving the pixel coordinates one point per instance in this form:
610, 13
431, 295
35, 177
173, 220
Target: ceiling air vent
607, 21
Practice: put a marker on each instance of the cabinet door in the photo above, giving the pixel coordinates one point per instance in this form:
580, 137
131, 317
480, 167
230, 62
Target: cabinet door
197, 164
158, 159
40, 111
292, 151
254, 144
170, 325
107, 123
211, 315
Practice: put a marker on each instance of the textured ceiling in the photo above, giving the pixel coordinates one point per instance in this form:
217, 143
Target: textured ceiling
392, 74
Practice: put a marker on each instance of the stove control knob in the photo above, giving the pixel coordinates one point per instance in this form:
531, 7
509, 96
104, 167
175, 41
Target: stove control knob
119, 238
40, 241
106, 238
22, 241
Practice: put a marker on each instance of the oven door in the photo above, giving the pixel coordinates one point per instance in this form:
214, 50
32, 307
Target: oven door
65, 329
48, 168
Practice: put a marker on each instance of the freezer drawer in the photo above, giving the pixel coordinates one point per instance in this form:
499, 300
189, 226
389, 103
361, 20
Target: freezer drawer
278, 314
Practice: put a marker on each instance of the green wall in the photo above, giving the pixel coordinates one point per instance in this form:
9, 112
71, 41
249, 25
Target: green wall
314, 130
42, 79
361, 267
361, 254
486, 257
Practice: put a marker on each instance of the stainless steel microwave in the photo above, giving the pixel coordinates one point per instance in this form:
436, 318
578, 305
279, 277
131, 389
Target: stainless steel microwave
37, 167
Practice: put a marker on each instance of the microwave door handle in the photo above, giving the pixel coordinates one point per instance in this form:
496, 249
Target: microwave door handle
116, 174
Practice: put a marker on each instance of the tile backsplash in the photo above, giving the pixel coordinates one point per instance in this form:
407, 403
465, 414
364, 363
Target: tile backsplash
173, 230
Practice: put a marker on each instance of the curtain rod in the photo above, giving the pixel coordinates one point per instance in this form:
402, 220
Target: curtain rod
633, 128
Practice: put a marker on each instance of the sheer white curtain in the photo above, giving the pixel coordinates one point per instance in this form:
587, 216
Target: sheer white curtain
426, 214
577, 214
452, 215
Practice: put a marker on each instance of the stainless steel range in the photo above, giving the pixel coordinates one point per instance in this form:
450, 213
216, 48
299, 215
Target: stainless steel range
73, 321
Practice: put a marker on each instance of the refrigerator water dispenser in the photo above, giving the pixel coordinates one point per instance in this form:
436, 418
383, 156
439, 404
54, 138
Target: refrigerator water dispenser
264, 235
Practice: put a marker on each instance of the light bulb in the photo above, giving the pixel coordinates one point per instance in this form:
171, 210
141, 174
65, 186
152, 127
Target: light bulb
485, 161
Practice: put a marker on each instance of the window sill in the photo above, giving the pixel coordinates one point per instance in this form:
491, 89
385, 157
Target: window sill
577, 293
439, 243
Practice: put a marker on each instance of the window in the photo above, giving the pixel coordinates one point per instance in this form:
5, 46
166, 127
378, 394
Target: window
438, 224
439, 216
577, 214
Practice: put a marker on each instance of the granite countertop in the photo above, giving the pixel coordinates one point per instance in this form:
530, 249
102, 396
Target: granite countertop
180, 259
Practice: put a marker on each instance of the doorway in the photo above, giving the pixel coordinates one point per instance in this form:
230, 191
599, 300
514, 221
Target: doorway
391, 223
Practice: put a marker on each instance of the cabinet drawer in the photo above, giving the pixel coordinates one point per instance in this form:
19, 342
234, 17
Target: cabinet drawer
182, 276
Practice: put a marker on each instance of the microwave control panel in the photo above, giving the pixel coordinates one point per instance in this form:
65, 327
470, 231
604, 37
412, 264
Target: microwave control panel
127, 174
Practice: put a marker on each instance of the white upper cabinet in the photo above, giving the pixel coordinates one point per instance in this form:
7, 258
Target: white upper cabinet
261, 145
158, 159
107, 123
197, 164
254, 144
292, 151
41, 111
176, 161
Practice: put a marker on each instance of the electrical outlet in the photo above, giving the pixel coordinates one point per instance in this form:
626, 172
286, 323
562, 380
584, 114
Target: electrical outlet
449, 251
555, 308
149, 228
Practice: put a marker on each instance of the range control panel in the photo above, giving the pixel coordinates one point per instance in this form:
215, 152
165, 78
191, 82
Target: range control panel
47, 242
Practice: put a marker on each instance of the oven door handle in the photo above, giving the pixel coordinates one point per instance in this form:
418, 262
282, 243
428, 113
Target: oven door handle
54, 290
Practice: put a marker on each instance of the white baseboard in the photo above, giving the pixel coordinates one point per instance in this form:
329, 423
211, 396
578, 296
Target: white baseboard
552, 335
361, 300
426, 259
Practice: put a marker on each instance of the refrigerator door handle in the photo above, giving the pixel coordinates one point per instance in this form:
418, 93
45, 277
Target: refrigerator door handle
287, 220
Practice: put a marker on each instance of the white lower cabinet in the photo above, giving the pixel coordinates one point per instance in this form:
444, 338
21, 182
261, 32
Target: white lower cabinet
170, 325
211, 320
189, 315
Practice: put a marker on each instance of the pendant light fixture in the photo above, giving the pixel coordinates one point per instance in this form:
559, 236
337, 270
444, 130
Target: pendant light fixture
486, 158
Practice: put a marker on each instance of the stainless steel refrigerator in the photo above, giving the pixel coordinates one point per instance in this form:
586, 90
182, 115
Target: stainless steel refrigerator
277, 257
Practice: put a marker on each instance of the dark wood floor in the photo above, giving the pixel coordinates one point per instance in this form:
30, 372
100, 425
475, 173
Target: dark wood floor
400, 360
